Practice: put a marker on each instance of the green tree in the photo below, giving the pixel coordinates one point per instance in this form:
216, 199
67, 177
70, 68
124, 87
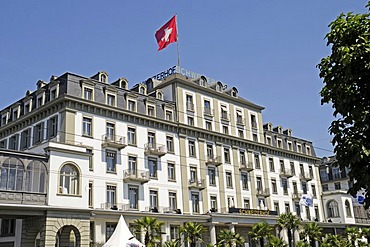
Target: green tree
229, 238
346, 77
276, 242
335, 241
352, 234
260, 231
192, 232
289, 222
312, 233
172, 243
152, 228
365, 232
302, 244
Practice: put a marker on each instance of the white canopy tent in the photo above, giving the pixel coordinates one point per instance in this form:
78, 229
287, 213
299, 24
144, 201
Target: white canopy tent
122, 237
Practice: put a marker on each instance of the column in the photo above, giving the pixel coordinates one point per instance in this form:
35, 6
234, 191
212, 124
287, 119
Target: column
212, 233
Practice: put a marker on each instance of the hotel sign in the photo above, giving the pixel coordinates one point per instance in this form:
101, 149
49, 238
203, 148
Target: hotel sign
245, 211
179, 70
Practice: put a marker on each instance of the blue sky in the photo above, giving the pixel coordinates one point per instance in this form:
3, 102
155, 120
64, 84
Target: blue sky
267, 49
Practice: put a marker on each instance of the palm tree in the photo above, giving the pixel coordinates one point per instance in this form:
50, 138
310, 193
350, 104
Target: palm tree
289, 222
302, 244
152, 228
172, 243
352, 234
334, 240
192, 233
276, 242
260, 231
312, 233
365, 232
229, 238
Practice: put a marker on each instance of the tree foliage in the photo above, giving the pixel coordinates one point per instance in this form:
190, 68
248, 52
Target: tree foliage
346, 77
260, 231
192, 232
289, 222
152, 229
312, 232
228, 238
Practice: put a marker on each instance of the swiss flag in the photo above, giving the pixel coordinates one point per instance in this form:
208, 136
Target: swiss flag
167, 34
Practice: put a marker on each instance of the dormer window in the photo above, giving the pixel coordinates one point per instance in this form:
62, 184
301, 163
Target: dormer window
15, 114
111, 99
40, 100
88, 93
219, 87
53, 90
299, 148
159, 95
131, 105
142, 89
27, 106
151, 110
4, 119
103, 78
203, 81
308, 150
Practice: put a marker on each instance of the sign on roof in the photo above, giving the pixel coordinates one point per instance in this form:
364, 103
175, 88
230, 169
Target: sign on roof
179, 70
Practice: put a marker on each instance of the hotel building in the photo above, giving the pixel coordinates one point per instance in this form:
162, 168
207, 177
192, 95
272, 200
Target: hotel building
79, 151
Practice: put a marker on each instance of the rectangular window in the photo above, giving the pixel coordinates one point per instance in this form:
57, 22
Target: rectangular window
38, 133
151, 111
295, 187
3, 143
229, 180
86, 126
191, 121
244, 181
195, 202
7, 227
310, 170
192, 148
189, 103
111, 99
53, 94
272, 165
26, 108
284, 182
241, 133
212, 176
193, 174
109, 229
111, 161
171, 172
225, 129
243, 160
257, 161
153, 199
279, 143
239, 117
131, 136
172, 198
308, 214
259, 183
133, 196
292, 167
52, 130
208, 125
91, 158
227, 155
337, 186
317, 215
153, 167
169, 141
174, 232
276, 207
209, 151
313, 189
287, 207
111, 197
131, 105
297, 209
132, 165
13, 142
88, 93
274, 186
253, 121
325, 187
304, 187
91, 205
255, 137
268, 140
224, 113
207, 108
213, 201
169, 116
247, 204
301, 169
290, 146
282, 166
26, 139
110, 131
39, 101
151, 139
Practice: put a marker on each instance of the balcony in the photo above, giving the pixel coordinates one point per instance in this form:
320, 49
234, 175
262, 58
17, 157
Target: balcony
140, 176
225, 116
207, 111
118, 206
19, 197
189, 106
262, 192
155, 149
113, 141
306, 176
246, 166
197, 184
215, 160
296, 196
286, 173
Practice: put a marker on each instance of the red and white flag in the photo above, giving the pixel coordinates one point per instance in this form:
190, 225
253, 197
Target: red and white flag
167, 34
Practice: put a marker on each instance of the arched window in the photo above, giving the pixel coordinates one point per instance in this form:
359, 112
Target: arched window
142, 89
103, 78
69, 180
348, 209
11, 177
160, 95
36, 177
332, 208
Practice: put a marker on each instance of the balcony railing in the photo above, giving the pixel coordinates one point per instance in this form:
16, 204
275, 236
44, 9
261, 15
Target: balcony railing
20, 197
189, 106
214, 160
140, 176
155, 149
208, 111
286, 173
296, 196
119, 206
169, 210
239, 121
246, 166
225, 116
114, 141
262, 192
306, 176
197, 184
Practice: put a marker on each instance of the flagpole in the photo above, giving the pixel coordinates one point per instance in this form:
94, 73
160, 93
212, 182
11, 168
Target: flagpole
178, 44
